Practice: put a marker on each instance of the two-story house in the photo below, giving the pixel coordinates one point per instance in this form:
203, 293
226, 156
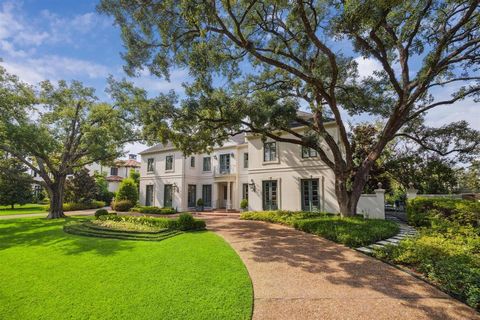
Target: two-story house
271, 175
118, 171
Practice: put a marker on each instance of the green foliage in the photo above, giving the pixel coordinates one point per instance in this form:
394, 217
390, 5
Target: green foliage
353, 232
184, 222
200, 202
244, 204
102, 188
135, 176
128, 190
122, 205
101, 212
74, 206
82, 187
15, 183
153, 210
421, 211
447, 254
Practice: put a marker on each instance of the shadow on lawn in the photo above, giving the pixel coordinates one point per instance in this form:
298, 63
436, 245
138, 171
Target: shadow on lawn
322, 267
49, 233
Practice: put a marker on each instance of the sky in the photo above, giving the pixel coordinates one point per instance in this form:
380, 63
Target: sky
68, 39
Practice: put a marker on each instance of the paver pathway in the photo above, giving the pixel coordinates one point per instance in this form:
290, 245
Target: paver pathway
297, 275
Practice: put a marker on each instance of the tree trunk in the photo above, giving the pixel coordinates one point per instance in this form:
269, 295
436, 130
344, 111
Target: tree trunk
13, 206
343, 197
56, 194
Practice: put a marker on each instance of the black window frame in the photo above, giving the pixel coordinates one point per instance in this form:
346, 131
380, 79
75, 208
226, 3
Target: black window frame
245, 160
245, 188
114, 171
192, 162
270, 151
167, 162
308, 153
192, 198
168, 191
209, 161
207, 195
314, 199
150, 164
149, 194
228, 162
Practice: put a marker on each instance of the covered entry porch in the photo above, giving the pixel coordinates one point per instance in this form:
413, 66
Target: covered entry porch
225, 195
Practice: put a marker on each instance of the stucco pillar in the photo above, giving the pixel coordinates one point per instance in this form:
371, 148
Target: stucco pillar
380, 193
411, 191
229, 201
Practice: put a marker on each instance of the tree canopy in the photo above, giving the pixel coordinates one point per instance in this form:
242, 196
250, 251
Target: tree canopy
56, 130
255, 63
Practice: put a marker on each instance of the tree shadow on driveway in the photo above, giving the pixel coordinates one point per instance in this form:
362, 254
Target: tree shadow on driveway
289, 265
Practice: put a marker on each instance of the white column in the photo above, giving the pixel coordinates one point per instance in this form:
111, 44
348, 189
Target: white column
380, 193
229, 201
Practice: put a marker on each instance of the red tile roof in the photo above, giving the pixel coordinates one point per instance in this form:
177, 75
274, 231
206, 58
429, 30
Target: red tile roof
114, 178
127, 163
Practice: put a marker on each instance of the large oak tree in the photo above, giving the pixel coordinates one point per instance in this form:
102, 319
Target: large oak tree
255, 63
56, 130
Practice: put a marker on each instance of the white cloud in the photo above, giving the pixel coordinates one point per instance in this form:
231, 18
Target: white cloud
34, 70
156, 85
366, 67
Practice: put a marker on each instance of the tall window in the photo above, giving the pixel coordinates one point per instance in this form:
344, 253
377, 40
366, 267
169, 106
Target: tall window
310, 195
308, 152
207, 195
270, 196
192, 162
225, 163
168, 163
114, 171
269, 151
149, 195
245, 160
192, 195
245, 191
167, 196
207, 164
150, 165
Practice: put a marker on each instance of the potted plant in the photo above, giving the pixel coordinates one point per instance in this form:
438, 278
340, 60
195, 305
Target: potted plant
244, 204
200, 205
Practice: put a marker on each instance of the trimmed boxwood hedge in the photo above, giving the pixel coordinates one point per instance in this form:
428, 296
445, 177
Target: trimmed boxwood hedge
153, 210
421, 211
74, 206
183, 224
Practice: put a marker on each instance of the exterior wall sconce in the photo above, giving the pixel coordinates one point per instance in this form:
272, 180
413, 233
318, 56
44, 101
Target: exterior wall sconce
232, 154
252, 185
215, 156
175, 187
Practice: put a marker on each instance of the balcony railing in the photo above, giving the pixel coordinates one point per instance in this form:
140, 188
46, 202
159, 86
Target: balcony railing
219, 171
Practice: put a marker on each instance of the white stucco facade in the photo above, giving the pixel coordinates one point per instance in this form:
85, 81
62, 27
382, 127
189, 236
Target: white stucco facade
279, 178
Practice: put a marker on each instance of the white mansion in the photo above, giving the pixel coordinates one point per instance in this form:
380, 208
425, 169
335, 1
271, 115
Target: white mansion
271, 175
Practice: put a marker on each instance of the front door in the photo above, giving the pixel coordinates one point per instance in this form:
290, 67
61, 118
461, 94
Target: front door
270, 195
310, 195
149, 195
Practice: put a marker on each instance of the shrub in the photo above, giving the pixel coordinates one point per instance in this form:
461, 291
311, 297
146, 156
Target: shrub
244, 204
421, 211
152, 210
447, 254
74, 206
127, 190
353, 232
122, 205
183, 224
200, 202
101, 212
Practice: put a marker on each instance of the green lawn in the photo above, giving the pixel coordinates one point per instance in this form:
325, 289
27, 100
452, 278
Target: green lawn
48, 274
25, 209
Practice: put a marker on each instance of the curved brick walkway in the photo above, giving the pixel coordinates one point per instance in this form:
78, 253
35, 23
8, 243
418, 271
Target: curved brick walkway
296, 275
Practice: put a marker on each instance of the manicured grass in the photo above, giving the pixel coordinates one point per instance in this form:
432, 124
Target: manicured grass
49, 274
353, 231
25, 209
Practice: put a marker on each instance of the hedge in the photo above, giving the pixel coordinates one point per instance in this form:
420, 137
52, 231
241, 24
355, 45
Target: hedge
184, 223
153, 210
74, 206
122, 205
421, 211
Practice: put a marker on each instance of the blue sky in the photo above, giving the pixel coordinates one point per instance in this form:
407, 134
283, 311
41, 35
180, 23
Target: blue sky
67, 39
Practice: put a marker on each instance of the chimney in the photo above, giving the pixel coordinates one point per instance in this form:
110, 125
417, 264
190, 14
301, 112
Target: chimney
132, 156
